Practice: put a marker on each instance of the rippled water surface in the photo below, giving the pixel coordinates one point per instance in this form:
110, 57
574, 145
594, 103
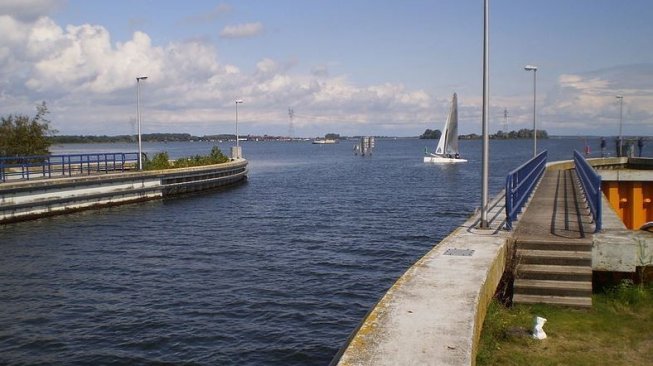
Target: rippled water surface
276, 271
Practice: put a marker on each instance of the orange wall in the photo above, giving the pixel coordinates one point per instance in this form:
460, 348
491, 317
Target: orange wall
631, 200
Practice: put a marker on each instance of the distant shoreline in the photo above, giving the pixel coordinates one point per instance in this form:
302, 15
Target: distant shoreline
184, 137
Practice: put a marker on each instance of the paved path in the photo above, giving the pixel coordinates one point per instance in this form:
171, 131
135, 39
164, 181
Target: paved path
557, 210
433, 314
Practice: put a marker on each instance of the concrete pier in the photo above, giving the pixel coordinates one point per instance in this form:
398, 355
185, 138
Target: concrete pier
434, 313
25, 200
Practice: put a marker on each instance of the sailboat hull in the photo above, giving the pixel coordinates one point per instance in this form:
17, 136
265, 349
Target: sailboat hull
438, 159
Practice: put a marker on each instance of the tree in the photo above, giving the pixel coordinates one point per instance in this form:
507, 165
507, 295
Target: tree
22, 136
431, 134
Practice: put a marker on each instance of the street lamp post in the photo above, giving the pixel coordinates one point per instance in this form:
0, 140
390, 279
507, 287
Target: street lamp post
621, 109
238, 153
485, 168
138, 113
534, 70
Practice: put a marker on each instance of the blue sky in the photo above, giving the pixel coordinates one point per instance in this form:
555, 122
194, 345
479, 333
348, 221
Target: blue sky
354, 67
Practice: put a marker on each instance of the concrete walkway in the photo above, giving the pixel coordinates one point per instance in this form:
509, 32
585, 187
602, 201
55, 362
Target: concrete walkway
434, 313
557, 210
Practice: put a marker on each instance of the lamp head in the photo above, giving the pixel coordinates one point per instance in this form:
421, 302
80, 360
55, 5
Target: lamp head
238, 101
530, 68
141, 78
620, 97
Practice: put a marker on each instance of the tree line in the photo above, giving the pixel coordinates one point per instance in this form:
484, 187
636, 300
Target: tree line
147, 137
22, 135
431, 134
524, 133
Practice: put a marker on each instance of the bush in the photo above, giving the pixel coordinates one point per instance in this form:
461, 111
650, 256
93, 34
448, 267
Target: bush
628, 293
159, 161
162, 160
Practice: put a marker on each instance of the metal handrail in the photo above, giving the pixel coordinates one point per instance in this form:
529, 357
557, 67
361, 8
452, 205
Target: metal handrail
520, 183
45, 166
590, 181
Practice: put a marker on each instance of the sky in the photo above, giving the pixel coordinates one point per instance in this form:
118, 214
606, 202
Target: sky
356, 67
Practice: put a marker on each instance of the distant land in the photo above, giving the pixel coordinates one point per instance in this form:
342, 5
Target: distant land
148, 137
524, 133
182, 137
186, 137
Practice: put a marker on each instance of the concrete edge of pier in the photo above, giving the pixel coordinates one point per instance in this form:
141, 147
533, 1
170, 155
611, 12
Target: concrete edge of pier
434, 313
32, 199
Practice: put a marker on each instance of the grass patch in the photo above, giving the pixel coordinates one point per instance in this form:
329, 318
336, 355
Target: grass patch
162, 161
617, 330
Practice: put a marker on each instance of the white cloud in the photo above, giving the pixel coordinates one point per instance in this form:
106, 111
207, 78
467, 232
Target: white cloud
242, 30
29, 10
209, 16
586, 101
89, 84
88, 81
584, 84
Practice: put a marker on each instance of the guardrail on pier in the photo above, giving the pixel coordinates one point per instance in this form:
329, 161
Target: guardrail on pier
46, 166
520, 183
590, 181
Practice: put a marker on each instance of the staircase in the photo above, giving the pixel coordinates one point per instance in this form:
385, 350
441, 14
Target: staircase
554, 272
553, 243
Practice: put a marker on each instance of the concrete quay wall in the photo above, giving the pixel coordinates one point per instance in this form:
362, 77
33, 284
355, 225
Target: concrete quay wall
617, 248
26, 200
434, 313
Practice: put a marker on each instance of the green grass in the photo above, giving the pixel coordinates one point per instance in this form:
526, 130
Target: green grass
617, 330
161, 160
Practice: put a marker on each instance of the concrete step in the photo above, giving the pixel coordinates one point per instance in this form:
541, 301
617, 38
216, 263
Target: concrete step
554, 272
553, 288
580, 302
554, 257
578, 245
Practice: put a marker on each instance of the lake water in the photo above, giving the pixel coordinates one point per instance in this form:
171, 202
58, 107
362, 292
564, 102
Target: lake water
276, 271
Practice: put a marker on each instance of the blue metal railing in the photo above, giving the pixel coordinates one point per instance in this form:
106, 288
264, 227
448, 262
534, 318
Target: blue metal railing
590, 181
47, 166
520, 184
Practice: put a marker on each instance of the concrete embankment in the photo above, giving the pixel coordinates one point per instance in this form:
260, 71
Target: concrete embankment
434, 313
25, 200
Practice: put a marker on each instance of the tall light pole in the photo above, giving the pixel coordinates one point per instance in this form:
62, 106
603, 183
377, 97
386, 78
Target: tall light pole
238, 101
621, 110
486, 105
534, 70
138, 112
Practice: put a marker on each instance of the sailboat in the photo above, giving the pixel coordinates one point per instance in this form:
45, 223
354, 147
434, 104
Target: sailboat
447, 149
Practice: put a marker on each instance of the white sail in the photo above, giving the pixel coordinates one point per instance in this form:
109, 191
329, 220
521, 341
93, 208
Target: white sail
451, 146
442, 143
447, 148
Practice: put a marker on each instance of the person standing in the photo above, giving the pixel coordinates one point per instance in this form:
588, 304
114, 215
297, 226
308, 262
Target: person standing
618, 145
603, 147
